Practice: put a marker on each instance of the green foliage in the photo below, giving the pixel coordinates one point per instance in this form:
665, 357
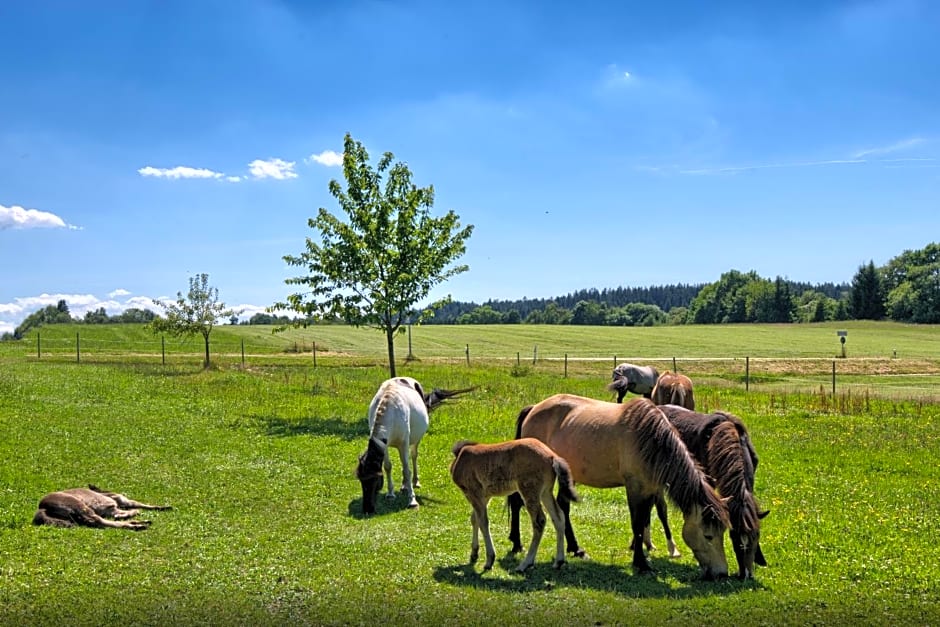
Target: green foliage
51, 314
195, 314
374, 269
867, 298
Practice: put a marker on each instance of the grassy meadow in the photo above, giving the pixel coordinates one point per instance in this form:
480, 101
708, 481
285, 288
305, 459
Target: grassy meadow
258, 459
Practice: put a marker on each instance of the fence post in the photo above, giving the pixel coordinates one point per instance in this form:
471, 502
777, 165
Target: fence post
314, 353
566, 365
163, 349
833, 377
468, 354
78, 350
38, 347
535, 354
243, 352
674, 369
747, 374
518, 359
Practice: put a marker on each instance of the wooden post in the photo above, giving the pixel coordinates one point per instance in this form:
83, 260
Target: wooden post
78, 350
468, 354
674, 369
314, 354
833, 377
38, 346
535, 354
163, 348
243, 352
747, 374
518, 358
566, 365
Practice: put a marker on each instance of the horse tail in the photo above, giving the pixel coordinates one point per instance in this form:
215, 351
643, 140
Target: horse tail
566, 489
459, 446
521, 418
618, 385
671, 464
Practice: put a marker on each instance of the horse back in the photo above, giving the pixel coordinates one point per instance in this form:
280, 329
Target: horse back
504, 467
584, 431
399, 410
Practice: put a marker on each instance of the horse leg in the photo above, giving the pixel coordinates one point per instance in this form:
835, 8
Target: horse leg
387, 465
662, 511
558, 521
475, 538
122, 514
483, 520
640, 508
514, 501
415, 482
406, 486
537, 516
573, 547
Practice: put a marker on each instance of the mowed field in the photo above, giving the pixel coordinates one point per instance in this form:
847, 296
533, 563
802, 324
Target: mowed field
257, 458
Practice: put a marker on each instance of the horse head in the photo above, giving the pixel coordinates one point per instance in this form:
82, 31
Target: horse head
704, 533
369, 473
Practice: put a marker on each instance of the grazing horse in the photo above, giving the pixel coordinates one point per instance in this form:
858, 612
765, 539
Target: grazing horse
721, 444
673, 388
398, 417
526, 466
636, 379
609, 445
91, 507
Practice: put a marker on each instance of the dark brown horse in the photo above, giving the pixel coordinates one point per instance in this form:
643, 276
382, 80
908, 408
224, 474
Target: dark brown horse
526, 466
721, 444
629, 445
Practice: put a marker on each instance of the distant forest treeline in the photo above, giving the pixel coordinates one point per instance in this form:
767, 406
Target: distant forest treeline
906, 289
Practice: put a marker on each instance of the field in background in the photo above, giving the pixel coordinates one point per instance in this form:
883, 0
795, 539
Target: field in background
883, 358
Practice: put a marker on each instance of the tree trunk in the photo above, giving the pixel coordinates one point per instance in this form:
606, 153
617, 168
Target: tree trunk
205, 364
390, 339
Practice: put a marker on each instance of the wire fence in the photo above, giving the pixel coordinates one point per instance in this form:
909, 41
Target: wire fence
885, 377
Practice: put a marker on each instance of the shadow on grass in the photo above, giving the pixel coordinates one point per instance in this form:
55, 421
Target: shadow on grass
310, 425
594, 575
385, 506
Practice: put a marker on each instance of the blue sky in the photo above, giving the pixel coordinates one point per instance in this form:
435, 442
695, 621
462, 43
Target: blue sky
594, 144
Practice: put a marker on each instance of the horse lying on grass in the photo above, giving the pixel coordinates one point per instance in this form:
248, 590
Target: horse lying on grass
526, 466
398, 418
91, 507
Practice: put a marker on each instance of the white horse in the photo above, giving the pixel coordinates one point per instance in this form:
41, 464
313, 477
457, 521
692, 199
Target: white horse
398, 418
631, 378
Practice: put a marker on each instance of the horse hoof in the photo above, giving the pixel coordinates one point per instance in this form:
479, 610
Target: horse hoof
558, 564
413, 505
582, 554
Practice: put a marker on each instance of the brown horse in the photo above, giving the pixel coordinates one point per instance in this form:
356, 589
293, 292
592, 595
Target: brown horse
526, 466
721, 443
673, 388
632, 445
91, 507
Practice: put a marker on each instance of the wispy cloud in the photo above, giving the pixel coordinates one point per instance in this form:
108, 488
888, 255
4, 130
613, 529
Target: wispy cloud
329, 158
272, 169
892, 163
17, 217
904, 144
180, 172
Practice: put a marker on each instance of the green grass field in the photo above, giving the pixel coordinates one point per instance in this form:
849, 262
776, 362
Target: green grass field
266, 527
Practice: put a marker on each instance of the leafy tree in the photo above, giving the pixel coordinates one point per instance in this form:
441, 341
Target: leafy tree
51, 314
589, 312
867, 298
484, 314
195, 314
374, 269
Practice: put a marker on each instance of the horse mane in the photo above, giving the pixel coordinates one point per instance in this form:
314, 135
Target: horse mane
670, 462
730, 463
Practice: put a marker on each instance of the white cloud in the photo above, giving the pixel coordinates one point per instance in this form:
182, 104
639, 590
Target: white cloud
329, 158
272, 169
16, 217
904, 144
233, 179
118, 292
180, 172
